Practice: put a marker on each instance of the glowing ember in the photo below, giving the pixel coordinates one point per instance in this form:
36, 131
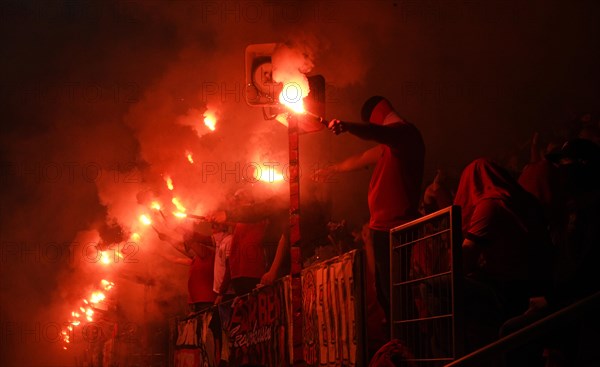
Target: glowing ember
169, 182
135, 236
144, 219
210, 120
178, 204
188, 154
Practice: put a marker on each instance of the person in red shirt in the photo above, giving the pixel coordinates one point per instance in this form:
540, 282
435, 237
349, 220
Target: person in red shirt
200, 256
395, 186
256, 225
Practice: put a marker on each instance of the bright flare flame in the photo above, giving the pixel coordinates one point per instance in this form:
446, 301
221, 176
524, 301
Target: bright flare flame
97, 297
107, 285
189, 156
269, 175
178, 204
155, 205
169, 182
144, 219
292, 95
104, 258
210, 120
179, 214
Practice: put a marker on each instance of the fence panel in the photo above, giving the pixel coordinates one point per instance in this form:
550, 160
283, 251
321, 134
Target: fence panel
425, 287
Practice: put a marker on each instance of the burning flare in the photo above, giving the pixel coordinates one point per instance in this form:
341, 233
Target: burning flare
189, 156
144, 219
104, 258
268, 174
292, 95
107, 285
97, 297
291, 62
178, 204
169, 182
210, 120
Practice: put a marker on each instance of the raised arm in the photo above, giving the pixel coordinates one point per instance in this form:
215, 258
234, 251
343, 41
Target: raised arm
175, 259
383, 134
250, 213
177, 245
282, 251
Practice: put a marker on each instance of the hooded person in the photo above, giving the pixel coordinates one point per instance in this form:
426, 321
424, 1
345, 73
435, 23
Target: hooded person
506, 252
395, 186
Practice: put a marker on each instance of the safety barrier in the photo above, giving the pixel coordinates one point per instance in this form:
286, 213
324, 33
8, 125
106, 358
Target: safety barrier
256, 328
425, 288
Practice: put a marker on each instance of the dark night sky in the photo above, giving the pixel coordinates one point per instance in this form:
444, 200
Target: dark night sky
99, 98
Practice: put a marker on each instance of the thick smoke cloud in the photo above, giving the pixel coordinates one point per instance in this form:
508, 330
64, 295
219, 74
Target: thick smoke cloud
104, 100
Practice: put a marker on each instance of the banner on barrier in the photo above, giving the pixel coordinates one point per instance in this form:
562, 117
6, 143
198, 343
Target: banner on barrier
332, 301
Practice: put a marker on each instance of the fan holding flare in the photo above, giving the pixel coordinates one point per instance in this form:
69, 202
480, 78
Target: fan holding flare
395, 185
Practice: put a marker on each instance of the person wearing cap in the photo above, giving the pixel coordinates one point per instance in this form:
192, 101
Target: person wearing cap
395, 186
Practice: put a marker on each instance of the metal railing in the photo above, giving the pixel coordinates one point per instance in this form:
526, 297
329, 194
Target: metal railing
531, 332
425, 287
